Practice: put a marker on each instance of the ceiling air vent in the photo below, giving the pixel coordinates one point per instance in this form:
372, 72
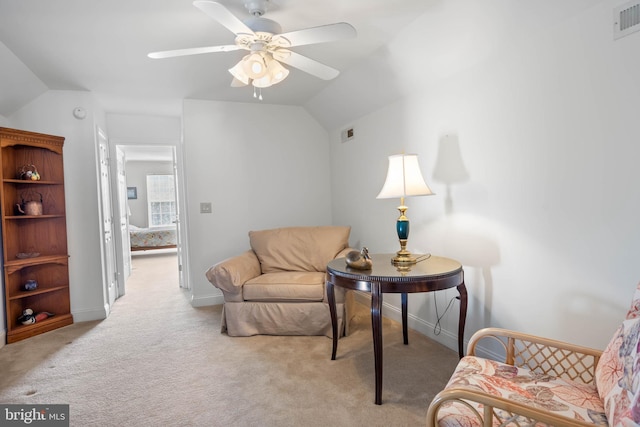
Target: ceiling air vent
626, 19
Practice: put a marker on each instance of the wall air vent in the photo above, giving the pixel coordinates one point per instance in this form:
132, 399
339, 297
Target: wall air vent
347, 135
626, 19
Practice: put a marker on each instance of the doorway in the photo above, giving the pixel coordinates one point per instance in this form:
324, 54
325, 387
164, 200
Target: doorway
135, 164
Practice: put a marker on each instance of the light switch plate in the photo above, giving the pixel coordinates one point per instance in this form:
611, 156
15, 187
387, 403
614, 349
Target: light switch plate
205, 207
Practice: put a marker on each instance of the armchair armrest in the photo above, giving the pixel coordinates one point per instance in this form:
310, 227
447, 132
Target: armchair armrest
229, 275
533, 415
545, 355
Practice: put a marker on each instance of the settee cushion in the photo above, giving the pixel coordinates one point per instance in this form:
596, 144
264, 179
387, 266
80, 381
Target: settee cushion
565, 397
298, 248
285, 286
618, 371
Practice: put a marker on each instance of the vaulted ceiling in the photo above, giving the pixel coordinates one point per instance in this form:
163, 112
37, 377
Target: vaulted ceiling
102, 46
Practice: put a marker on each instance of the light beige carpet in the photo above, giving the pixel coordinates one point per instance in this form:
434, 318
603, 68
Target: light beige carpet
156, 361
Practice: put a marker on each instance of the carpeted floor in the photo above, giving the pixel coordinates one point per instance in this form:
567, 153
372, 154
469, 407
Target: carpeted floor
157, 361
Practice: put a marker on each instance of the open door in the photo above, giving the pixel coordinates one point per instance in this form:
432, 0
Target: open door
108, 243
137, 153
124, 260
181, 280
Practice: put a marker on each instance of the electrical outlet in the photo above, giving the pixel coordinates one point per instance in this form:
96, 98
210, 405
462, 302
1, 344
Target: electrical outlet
205, 207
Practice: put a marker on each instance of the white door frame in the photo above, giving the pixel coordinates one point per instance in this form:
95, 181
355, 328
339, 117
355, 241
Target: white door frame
179, 170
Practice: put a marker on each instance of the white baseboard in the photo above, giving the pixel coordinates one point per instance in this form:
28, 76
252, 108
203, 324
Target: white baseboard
206, 300
91, 314
3, 338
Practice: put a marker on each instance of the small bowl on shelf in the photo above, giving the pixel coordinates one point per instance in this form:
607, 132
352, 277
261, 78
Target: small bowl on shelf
30, 285
25, 255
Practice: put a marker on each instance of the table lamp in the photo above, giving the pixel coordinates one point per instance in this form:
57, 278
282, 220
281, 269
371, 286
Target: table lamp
403, 180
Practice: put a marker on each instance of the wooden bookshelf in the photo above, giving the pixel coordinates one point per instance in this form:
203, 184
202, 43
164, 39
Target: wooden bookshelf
34, 246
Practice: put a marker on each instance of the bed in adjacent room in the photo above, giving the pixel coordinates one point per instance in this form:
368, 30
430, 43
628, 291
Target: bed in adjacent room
143, 239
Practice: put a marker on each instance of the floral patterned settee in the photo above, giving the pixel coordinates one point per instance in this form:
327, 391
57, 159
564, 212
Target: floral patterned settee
545, 382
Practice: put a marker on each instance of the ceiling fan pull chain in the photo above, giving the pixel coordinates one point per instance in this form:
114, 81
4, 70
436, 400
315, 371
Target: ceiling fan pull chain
257, 94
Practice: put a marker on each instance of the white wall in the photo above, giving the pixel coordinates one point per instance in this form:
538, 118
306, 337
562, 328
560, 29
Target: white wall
51, 113
137, 177
543, 105
140, 129
261, 166
546, 223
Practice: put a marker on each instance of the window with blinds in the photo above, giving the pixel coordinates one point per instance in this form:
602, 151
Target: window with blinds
161, 199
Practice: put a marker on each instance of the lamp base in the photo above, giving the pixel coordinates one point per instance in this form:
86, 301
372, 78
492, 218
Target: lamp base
403, 258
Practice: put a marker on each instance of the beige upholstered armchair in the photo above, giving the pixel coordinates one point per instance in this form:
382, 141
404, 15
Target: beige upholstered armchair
278, 287
545, 382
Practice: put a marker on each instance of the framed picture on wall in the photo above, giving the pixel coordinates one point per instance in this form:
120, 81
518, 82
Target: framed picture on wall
132, 193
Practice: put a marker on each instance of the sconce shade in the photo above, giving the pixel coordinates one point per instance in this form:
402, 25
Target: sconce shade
404, 178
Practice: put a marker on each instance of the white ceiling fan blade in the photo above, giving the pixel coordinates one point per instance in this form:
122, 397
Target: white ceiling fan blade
305, 64
192, 51
223, 16
321, 34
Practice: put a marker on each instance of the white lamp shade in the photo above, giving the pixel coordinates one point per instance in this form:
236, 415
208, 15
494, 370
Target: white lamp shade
262, 82
238, 74
254, 65
275, 74
404, 178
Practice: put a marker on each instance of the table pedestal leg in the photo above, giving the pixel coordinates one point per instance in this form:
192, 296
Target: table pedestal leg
376, 323
462, 290
331, 297
405, 333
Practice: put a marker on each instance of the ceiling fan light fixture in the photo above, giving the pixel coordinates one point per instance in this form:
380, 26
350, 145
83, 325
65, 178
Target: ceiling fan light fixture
277, 72
262, 82
238, 74
255, 65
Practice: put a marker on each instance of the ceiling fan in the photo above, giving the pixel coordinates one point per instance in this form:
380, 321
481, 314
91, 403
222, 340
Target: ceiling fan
268, 47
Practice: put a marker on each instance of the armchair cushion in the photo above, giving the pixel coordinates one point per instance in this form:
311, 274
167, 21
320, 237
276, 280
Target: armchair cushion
298, 248
285, 286
618, 372
572, 399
